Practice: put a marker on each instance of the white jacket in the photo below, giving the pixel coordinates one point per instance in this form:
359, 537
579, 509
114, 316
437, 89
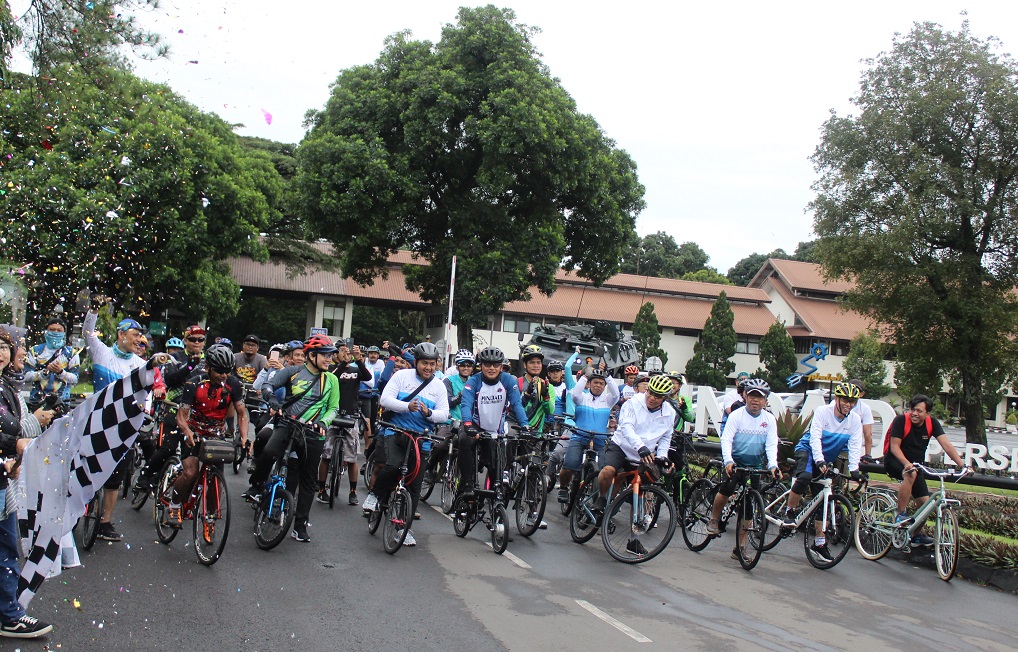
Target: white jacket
639, 427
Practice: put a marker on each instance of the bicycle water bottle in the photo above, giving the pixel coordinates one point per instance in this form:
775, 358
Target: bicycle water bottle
505, 477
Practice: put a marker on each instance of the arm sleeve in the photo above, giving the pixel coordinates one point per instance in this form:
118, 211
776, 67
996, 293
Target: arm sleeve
454, 400
612, 390
468, 403
816, 435
727, 439
855, 443
31, 373
938, 430
772, 444
187, 397
96, 348
569, 377
515, 400
665, 442
627, 426
30, 426
332, 402
71, 372
364, 374
263, 375
390, 399
440, 413
579, 397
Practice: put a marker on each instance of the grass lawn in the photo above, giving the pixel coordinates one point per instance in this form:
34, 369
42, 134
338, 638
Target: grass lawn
1003, 539
950, 486
82, 388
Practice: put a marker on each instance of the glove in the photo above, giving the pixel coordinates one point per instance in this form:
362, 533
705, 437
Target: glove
471, 430
867, 459
643, 452
856, 476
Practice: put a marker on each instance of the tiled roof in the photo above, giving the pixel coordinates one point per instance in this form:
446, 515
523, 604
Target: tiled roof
822, 317
799, 276
670, 286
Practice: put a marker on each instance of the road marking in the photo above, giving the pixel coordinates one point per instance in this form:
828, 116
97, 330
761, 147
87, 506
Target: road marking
439, 510
617, 624
511, 557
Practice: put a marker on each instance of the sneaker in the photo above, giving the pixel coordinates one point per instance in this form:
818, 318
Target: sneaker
25, 627
322, 497
252, 495
417, 516
107, 532
352, 500
922, 540
543, 525
370, 503
300, 532
903, 519
789, 518
144, 482
636, 547
713, 528
208, 530
563, 496
822, 552
174, 520
410, 541
735, 554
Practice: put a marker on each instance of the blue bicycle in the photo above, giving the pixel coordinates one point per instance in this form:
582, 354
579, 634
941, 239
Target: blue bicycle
277, 508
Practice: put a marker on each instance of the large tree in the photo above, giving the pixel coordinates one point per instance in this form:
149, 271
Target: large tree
865, 361
467, 147
917, 203
712, 354
742, 272
658, 254
777, 354
648, 334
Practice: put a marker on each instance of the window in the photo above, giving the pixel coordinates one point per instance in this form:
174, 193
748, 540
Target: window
436, 321
839, 347
333, 313
803, 345
748, 344
514, 324
687, 332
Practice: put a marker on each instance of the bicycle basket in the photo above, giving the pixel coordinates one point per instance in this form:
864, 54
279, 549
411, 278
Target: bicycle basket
650, 472
215, 451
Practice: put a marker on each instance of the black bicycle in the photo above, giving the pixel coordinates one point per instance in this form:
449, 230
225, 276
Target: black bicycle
487, 505
528, 486
747, 503
574, 485
338, 430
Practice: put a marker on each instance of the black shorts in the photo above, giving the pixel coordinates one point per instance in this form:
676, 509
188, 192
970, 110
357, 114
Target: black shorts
896, 470
728, 484
615, 457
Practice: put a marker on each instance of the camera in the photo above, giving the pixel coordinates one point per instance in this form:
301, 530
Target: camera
55, 403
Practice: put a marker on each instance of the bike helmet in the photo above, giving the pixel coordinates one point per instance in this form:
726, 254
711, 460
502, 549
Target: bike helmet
282, 348
426, 351
556, 365
319, 344
676, 375
758, 385
632, 370
531, 351
293, 345
660, 386
599, 373
374, 349
847, 390
174, 343
225, 341
219, 358
463, 357
491, 355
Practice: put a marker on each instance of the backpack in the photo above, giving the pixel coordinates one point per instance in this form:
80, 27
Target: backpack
908, 427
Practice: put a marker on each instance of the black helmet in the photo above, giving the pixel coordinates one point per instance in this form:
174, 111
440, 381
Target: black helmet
491, 355
598, 373
426, 351
219, 358
556, 365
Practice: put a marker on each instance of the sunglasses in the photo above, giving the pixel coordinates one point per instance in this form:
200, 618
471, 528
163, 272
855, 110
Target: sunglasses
196, 339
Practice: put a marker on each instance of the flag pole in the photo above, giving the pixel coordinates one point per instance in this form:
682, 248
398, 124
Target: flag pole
448, 323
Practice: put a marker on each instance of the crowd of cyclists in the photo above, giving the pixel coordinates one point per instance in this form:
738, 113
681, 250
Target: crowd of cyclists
373, 403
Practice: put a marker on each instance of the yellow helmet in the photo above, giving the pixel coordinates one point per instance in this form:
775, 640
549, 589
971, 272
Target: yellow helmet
660, 385
847, 390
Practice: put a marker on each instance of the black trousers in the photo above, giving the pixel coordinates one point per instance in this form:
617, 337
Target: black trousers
302, 472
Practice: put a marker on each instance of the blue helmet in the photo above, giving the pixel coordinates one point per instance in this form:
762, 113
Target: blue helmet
174, 343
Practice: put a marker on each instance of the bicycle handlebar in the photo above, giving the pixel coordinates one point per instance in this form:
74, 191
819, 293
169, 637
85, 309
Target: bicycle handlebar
407, 431
945, 474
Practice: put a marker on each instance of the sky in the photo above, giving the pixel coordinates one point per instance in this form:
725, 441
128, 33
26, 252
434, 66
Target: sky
720, 104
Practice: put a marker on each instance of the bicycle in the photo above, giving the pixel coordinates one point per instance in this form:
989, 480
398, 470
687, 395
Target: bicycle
567, 507
397, 514
208, 504
88, 523
156, 423
446, 473
337, 468
487, 505
276, 507
876, 530
678, 483
828, 509
746, 502
528, 486
583, 520
639, 512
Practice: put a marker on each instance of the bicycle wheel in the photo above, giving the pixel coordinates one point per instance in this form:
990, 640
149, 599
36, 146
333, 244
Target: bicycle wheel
531, 500
837, 532
499, 529
450, 485
135, 463
567, 507
753, 521
138, 496
90, 520
582, 521
211, 517
945, 543
775, 501
161, 501
463, 514
396, 520
274, 518
374, 519
876, 515
367, 471
635, 534
696, 515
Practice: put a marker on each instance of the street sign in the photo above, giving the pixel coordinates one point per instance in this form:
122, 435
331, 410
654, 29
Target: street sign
157, 327
319, 331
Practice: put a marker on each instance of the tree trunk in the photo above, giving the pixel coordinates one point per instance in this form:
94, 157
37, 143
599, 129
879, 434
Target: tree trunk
465, 336
972, 403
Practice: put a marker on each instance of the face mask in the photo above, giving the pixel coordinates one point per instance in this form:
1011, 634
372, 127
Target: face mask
55, 339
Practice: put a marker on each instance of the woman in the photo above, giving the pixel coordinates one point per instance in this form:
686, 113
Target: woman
14, 622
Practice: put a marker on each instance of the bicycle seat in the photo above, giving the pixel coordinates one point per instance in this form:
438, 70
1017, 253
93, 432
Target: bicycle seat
344, 422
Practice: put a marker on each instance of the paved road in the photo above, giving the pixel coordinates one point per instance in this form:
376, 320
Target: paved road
342, 591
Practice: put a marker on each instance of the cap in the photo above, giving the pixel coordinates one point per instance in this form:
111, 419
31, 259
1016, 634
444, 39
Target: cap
742, 374
194, 330
128, 324
252, 338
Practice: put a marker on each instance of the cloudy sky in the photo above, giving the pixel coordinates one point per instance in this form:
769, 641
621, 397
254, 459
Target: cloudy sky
720, 104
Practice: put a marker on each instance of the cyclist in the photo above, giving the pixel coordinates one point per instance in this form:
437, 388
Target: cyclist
249, 361
593, 410
428, 406
206, 399
537, 398
465, 365
51, 367
641, 383
908, 447
866, 417
683, 413
750, 439
644, 434
626, 391
562, 383
313, 399
835, 428
110, 364
738, 402
351, 373
174, 346
487, 397
369, 393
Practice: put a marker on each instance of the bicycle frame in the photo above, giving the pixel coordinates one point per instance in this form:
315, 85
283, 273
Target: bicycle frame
821, 497
901, 534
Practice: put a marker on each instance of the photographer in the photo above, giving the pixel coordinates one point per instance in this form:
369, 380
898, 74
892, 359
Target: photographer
32, 423
52, 367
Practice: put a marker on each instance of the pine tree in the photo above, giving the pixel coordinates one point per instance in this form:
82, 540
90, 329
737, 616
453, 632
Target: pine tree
712, 354
777, 354
865, 361
646, 333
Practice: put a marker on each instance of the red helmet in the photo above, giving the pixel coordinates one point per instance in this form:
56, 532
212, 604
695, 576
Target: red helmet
632, 370
319, 344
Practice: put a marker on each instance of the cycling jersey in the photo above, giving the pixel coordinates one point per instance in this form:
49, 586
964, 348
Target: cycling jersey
404, 383
179, 370
318, 394
351, 376
38, 358
593, 412
454, 385
210, 401
682, 416
564, 393
639, 427
828, 436
538, 401
109, 364
486, 404
750, 440
626, 392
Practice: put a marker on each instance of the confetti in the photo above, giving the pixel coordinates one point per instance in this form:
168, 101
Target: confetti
77, 604
268, 117
46, 145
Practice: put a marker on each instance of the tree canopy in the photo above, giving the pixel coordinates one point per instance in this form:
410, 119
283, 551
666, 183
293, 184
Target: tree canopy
917, 203
466, 147
777, 354
648, 334
712, 354
658, 254
865, 361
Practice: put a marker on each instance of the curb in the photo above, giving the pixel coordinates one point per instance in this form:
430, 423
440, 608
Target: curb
1003, 579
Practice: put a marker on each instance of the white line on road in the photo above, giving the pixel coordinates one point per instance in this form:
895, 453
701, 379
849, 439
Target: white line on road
617, 624
511, 557
439, 510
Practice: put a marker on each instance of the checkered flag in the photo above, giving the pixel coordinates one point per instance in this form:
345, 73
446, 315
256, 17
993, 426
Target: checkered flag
63, 468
